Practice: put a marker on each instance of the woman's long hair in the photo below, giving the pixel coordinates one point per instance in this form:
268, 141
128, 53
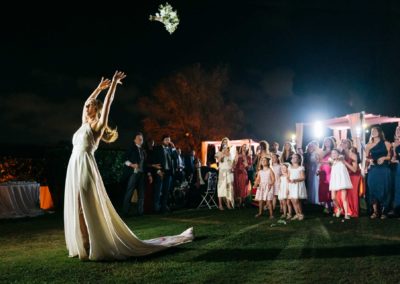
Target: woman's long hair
109, 134
241, 150
261, 167
264, 146
227, 143
355, 151
380, 133
287, 153
332, 142
312, 142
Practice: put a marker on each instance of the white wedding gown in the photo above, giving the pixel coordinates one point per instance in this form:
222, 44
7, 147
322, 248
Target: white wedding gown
108, 236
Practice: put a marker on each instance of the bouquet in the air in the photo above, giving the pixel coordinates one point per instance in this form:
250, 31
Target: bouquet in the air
167, 16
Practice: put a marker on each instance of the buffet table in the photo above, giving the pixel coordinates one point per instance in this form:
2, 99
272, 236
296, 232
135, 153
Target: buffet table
20, 199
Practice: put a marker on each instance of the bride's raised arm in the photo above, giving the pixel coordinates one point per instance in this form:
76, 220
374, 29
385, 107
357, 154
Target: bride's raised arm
104, 84
117, 78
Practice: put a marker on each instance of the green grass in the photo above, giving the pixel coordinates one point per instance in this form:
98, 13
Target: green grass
230, 246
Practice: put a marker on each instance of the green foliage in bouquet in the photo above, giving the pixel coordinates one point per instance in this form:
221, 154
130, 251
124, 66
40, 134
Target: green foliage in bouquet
167, 16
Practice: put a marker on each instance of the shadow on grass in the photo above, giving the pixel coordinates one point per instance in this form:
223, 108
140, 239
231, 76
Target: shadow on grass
167, 252
233, 255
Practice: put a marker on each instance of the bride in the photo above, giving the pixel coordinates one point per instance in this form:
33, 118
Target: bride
93, 229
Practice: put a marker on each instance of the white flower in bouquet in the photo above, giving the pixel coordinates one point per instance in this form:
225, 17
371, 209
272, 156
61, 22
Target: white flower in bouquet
167, 16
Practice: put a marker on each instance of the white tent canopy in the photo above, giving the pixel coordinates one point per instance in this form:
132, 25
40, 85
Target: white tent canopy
352, 122
355, 123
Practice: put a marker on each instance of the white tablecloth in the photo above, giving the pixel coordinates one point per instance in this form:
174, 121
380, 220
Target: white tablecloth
19, 199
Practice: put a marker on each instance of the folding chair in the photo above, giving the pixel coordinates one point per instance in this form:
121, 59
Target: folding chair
208, 196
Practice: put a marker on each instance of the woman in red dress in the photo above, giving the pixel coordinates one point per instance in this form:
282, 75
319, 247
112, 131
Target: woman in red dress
241, 179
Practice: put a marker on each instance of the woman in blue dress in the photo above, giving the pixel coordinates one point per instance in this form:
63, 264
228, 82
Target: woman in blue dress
395, 160
379, 178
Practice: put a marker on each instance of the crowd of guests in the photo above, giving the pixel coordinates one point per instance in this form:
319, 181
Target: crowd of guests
329, 176
158, 169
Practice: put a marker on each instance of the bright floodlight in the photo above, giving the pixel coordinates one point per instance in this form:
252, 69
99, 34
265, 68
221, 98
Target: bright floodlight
318, 129
293, 138
358, 131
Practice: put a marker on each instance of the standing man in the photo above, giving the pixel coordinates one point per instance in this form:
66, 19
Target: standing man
135, 173
164, 155
180, 167
190, 165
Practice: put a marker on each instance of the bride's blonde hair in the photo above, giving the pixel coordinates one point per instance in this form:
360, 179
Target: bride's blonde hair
109, 134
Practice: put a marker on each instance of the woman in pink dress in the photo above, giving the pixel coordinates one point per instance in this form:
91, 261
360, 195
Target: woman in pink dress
241, 180
324, 173
352, 165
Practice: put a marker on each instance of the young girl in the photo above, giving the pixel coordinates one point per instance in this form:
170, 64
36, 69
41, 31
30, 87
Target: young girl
284, 192
276, 167
297, 187
264, 181
340, 181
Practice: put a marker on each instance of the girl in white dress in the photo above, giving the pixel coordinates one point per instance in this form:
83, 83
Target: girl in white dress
225, 178
265, 187
276, 167
284, 192
297, 187
340, 182
93, 229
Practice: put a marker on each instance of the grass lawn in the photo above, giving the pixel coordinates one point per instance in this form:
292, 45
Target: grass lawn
230, 246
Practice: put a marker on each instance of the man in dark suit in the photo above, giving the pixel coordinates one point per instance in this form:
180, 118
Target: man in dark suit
163, 158
180, 167
134, 174
190, 164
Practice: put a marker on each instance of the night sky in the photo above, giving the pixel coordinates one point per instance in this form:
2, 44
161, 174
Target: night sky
288, 61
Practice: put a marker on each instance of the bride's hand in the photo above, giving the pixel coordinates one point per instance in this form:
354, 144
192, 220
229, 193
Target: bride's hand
118, 76
104, 84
